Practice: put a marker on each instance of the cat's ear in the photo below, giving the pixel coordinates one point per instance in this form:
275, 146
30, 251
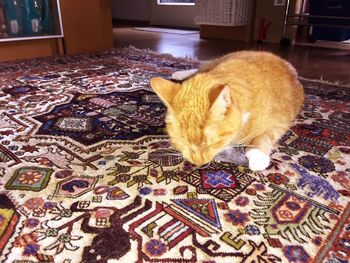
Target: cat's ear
165, 89
220, 101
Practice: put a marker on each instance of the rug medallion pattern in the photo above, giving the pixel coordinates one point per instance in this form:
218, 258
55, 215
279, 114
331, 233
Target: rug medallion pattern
87, 173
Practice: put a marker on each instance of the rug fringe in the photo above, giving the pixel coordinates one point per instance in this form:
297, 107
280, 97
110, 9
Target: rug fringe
321, 80
166, 55
196, 60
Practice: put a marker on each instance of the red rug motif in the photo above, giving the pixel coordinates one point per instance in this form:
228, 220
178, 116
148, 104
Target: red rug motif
87, 173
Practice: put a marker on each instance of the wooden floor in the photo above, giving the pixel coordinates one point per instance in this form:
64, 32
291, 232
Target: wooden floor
311, 62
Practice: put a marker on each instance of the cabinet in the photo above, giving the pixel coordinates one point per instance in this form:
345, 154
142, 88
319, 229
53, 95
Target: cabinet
229, 19
30, 28
87, 25
29, 19
34, 28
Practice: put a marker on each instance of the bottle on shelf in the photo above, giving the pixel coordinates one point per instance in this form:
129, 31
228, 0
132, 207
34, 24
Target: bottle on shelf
15, 13
37, 20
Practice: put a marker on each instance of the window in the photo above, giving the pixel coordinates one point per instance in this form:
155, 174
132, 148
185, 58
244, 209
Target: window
176, 2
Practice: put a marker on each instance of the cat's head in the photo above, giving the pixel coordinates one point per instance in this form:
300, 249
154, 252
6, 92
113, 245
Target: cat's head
202, 116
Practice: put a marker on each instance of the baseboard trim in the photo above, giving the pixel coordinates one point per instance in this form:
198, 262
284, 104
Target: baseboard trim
118, 22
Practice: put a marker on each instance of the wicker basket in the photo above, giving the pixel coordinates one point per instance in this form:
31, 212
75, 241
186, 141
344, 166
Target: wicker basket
222, 12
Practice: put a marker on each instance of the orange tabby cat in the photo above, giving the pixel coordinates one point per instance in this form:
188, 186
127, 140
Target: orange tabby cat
247, 98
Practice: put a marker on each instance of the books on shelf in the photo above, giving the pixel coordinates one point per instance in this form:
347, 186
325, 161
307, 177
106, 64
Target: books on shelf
21, 18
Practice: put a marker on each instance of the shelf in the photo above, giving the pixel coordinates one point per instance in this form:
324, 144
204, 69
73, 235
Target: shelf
315, 24
318, 20
314, 16
29, 38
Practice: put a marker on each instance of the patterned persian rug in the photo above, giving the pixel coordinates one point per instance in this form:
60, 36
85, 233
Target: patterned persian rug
87, 173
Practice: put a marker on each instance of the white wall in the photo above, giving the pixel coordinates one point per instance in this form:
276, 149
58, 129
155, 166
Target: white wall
132, 9
149, 10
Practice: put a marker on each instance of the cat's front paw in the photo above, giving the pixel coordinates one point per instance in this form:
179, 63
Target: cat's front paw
183, 74
258, 160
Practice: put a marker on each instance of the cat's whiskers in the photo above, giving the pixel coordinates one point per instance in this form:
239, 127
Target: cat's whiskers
203, 166
241, 141
173, 153
242, 145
